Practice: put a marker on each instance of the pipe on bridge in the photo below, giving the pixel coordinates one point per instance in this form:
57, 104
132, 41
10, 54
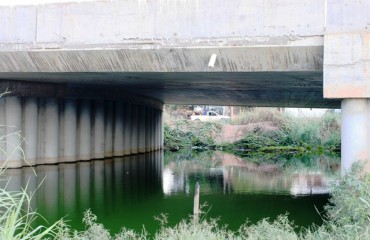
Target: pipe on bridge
54, 130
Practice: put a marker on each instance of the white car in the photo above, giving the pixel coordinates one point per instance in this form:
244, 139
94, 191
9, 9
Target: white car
210, 116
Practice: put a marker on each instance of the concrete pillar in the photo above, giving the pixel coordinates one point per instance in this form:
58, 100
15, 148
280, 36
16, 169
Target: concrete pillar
2, 131
147, 128
134, 130
84, 144
142, 129
152, 130
30, 126
108, 152
118, 130
157, 129
355, 132
70, 130
13, 114
161, 130
51, 140
99, 130
127, 130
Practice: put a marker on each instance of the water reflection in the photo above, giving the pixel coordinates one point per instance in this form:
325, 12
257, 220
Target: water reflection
228, 173
109, 187
130, 191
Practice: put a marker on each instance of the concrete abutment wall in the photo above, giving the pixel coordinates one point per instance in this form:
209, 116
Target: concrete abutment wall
53, 130
346, 75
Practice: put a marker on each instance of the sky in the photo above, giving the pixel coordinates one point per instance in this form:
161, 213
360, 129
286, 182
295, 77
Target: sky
34, 2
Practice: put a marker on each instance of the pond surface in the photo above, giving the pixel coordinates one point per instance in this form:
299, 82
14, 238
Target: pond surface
130, 191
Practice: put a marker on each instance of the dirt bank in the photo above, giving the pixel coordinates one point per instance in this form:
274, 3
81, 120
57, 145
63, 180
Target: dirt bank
233, 133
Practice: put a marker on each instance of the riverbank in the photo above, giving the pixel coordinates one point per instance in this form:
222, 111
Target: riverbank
257, 132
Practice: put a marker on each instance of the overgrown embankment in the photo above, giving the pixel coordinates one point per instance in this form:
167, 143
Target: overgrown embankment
261, 131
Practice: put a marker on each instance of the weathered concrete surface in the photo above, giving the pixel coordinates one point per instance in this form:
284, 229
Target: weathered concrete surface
155, 24
229, 59
347, 49
255, 76
266, 51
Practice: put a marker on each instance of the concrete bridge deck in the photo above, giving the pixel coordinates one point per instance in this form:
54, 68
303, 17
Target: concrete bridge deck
267, 53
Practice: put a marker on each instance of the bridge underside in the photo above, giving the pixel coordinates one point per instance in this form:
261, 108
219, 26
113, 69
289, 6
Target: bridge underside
288, 89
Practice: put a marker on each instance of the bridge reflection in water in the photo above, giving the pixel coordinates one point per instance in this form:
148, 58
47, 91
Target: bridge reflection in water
130, 191
230, 174
112, 188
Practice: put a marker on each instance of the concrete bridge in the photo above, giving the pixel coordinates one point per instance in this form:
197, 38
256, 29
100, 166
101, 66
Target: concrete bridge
88, 80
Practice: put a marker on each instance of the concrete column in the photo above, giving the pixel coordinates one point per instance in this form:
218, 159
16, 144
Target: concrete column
2, 131
51, 140
127, 130
118, 130
355, 132
134, 130
99, 130
30, 126
70, 130
147, 128
157, 129
142, 129
161, 129
159, 126
152, 130
84, 150
13, 114
108, 152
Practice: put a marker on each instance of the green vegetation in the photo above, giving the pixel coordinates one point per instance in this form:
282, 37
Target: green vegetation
186, 134
347, 217
291, 135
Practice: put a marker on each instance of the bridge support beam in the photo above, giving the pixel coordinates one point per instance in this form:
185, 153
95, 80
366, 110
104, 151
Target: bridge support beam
13, 115
63, 129
69, 130
355, 132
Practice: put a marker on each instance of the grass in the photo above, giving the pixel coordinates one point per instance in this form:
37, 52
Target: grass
314, 135
256, 115
16, 218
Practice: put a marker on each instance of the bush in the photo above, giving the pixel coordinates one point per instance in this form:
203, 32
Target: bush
186, 134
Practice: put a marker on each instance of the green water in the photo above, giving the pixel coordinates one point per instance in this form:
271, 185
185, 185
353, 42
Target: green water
130, 191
